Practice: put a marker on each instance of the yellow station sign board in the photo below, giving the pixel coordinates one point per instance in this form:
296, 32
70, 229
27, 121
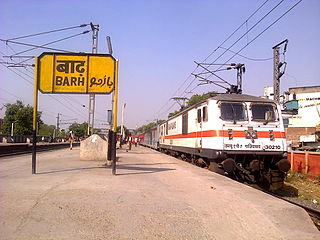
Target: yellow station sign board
76, 73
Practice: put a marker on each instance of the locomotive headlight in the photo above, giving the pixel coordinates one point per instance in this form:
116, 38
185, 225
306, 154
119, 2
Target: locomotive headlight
251, 134
254, 134
247, 134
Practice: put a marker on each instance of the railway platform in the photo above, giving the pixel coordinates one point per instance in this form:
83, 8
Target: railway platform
152, 196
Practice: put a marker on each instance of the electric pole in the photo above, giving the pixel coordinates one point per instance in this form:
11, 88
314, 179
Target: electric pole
58, 121
95, 30
276, 69
240, 70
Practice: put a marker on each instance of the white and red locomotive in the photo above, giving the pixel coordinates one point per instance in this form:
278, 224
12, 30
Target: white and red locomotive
238, 134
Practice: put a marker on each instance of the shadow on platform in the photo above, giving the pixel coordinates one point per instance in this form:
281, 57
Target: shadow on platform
130, 167
141, 170
70, 170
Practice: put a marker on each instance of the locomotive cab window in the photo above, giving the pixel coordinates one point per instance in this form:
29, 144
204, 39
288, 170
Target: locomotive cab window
233, 111
199, 115
263, 112
205, 113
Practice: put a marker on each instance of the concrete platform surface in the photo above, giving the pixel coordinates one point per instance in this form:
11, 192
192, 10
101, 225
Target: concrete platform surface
153, 196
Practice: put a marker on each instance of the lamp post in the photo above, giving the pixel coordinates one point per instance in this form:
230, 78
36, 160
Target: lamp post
12, 127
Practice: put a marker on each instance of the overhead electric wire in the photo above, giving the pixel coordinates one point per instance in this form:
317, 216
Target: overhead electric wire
285, 13
248, 43
72, 105
212, 53
245, 22
15, 64
49, 95
267, 14
52, 31
32, 45
252, 59
240, 39
21, 99
43, 47
66, 106
59, 40
27, 80
83, 105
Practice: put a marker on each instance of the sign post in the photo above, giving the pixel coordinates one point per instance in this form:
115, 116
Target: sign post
115, 119
83, 73
35, 113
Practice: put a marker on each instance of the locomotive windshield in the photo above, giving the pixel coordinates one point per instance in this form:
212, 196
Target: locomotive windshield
232, 111
263, 112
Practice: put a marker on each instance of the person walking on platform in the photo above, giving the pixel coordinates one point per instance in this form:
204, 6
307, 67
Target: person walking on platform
71, 138
129, 143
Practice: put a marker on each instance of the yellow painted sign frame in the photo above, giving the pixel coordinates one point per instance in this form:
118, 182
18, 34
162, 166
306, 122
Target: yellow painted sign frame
76, 73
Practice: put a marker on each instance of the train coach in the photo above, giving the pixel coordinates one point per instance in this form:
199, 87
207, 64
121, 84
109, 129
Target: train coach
234, 134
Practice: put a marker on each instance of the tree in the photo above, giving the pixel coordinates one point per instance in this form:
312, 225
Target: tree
22, 118
61, 133
80, 130
173, 113
46, 130
125, 129
196, 98
199, 98
148, 126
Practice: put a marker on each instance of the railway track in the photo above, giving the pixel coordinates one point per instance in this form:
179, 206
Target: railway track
19, 149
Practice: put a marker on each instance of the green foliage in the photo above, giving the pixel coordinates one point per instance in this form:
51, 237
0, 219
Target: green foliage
80, 130
173, 113
197, 98
21, 116
61, 133
46, 130
125, 129
148, 126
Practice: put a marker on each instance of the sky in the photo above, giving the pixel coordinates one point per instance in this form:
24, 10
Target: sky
157, 42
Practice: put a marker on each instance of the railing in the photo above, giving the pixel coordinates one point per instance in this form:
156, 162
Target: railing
28, 139
306, 162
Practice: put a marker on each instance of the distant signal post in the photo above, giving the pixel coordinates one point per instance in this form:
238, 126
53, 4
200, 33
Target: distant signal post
81, 73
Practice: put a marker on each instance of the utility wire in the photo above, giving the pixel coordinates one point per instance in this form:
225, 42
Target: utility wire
63, 104
72, 105
243, 35
248, 43
32, 45
285, 13
27, 80
239, 40
11, 64
52, 31
21, 99
252, 59
245, 22
190, 75
59, 40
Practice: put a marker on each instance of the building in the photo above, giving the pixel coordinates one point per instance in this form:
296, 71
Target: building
308, 99
303, 124
301, 115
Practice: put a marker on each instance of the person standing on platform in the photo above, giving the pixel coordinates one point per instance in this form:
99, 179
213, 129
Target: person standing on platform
130, 142
71, 138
